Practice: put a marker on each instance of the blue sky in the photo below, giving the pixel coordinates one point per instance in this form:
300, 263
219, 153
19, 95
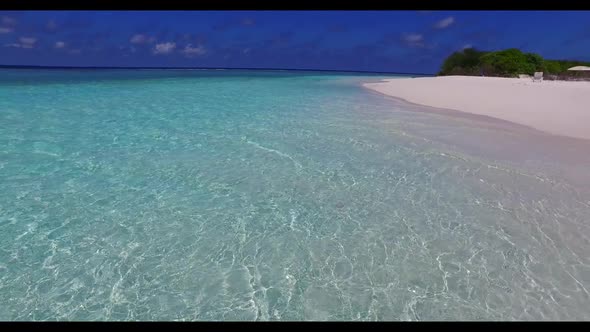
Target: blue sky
397, 41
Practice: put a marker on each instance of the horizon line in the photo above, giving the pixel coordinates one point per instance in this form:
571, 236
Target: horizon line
210, 68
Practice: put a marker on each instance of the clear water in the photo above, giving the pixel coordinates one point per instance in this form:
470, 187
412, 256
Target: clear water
191, 195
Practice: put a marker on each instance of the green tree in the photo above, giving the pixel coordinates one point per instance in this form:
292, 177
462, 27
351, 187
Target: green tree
465, 61
510, 62
553, 67
537, 62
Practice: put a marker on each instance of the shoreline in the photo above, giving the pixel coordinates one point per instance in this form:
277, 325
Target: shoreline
554, 108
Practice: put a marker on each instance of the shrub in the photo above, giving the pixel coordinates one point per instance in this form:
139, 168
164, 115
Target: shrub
510, 62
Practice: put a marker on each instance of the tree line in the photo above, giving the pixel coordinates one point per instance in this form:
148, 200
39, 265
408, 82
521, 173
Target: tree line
506, 63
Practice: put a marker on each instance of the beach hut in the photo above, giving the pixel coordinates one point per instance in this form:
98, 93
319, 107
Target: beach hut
579, 73
580, 68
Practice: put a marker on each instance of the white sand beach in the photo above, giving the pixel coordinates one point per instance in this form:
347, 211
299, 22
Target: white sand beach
556, 107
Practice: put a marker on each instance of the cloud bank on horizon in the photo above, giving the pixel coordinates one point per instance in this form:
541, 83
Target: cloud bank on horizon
396, 41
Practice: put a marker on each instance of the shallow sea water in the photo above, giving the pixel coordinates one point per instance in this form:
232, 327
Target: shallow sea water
202, 195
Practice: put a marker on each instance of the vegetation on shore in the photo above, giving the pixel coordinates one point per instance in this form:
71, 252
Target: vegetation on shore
506, 63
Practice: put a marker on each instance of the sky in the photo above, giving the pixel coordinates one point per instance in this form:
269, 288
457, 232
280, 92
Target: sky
384, 41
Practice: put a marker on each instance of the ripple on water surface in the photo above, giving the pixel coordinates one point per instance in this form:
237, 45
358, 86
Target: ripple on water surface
279, 197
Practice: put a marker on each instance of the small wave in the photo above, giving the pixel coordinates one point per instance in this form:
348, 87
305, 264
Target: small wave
282, 154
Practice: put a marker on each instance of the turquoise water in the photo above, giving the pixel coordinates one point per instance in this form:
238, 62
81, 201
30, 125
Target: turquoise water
227, 195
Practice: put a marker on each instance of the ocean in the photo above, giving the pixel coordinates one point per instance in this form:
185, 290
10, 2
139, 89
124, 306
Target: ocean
278, 195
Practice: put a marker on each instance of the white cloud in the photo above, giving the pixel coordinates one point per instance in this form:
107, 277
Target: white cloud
141, 39
466, 46
414, 39
60, 44
191, 51
75, 51
248, 21
51, 25
164, 48
445, 23
24, 42
137, 39
7, 24
27, 42
8, 21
